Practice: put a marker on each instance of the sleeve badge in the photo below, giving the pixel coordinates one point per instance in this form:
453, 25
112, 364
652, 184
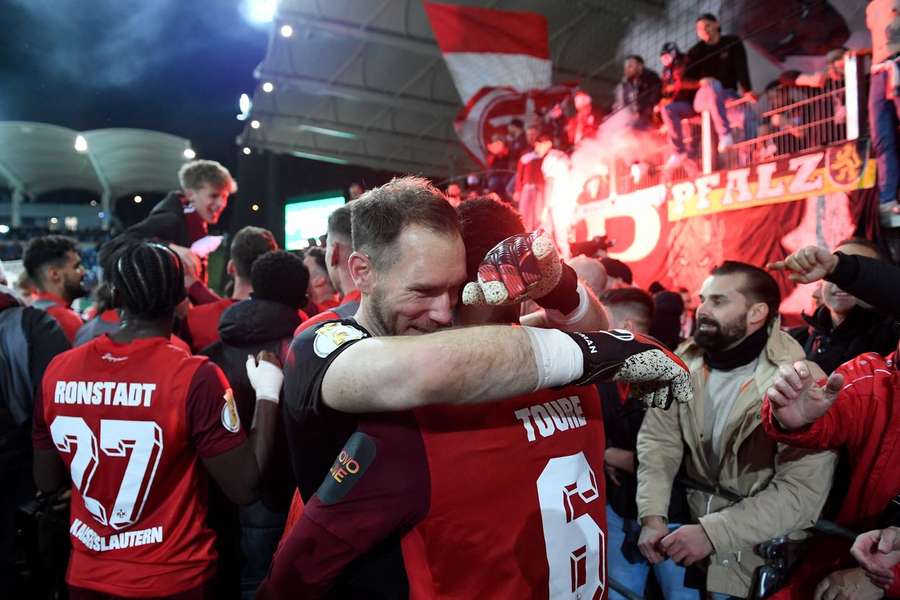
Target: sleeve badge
230, 418
331, 336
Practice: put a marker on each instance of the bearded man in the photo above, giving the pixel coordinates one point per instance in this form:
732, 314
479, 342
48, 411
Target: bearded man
733, 357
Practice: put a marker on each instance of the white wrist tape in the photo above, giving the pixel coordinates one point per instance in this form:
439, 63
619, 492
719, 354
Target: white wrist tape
558, 358
584, 303
266, 380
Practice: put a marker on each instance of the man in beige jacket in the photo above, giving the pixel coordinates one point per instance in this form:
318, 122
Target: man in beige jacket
733, 358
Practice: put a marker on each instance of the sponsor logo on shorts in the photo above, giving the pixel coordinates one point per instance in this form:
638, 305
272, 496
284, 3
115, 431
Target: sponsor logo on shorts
230, 418
331, 336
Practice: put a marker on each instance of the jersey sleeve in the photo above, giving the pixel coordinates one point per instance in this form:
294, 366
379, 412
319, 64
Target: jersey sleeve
310, 355
213, 423
378, 485
40, 432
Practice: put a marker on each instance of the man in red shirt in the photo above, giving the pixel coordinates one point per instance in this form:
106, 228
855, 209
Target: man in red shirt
53, 263
385, 474
131, 418
203, 320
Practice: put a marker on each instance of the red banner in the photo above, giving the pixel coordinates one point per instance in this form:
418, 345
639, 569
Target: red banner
660, 245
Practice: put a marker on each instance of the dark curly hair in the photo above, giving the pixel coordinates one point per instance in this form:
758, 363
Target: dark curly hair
281, 277
148, 280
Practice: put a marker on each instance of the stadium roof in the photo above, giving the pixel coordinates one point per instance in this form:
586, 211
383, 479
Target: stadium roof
364, 82
37, 157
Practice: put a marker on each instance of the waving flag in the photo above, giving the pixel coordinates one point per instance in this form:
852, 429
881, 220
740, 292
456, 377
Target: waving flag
492, 48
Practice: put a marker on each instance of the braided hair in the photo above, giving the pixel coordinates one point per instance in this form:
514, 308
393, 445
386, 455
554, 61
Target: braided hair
149, 280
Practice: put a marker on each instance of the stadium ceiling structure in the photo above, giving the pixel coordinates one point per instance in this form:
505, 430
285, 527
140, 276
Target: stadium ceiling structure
36, 158
364, 82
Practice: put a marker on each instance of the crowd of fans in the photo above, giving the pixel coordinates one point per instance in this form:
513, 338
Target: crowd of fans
424, 406
658, 115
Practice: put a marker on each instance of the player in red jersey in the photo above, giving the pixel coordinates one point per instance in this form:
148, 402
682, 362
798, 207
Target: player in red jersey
131, 418
53, 263
525, 463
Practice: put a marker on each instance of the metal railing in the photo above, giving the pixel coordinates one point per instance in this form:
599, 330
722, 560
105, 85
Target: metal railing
785, 120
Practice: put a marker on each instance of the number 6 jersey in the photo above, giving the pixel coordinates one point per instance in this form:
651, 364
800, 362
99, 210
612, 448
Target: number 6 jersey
130, 422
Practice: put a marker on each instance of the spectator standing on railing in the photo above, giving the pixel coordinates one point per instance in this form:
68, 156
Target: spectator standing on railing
717, 68
883, 21
733, 358
638, 93
856, 409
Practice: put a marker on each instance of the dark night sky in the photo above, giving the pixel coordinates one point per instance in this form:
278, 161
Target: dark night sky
169, 65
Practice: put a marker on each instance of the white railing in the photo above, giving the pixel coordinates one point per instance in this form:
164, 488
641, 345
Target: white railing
783, 121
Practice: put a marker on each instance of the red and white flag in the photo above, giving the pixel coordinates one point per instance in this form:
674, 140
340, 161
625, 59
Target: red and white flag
484, 47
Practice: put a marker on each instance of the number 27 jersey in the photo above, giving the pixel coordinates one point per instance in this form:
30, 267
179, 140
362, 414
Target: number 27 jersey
131, 422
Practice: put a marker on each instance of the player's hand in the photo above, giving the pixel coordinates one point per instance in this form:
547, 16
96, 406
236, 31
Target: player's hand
849, 584
656, 375
797, 400
653, 530
521, 267
878, 552
265, 376
190, 262
807, 264
687, 544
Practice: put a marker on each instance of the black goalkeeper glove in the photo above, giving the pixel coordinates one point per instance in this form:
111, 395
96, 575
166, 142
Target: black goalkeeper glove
655, 374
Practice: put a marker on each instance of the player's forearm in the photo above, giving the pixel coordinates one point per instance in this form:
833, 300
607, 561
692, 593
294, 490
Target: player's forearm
262, 437
460, 366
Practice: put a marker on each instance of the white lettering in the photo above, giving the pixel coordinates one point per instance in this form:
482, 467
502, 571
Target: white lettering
523, 415
805, 166
764, 189
681, 193
128, 539
579, 414
562, 414
705, 185
542, 420
59, 395
104, 392
739, 180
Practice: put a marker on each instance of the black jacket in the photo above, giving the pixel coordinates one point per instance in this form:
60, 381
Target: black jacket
726, 61
29, 340
875, 282
246, 328
166, 222
863, 330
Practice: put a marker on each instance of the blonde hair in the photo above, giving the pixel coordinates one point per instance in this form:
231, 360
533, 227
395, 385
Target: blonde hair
194, 174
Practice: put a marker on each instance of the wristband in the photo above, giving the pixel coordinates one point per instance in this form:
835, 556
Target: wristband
584, 303
557, 356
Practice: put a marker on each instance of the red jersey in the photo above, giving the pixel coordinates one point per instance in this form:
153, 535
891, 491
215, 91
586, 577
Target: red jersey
502, 500
203, 322
57, 308
130, 422
532, 508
